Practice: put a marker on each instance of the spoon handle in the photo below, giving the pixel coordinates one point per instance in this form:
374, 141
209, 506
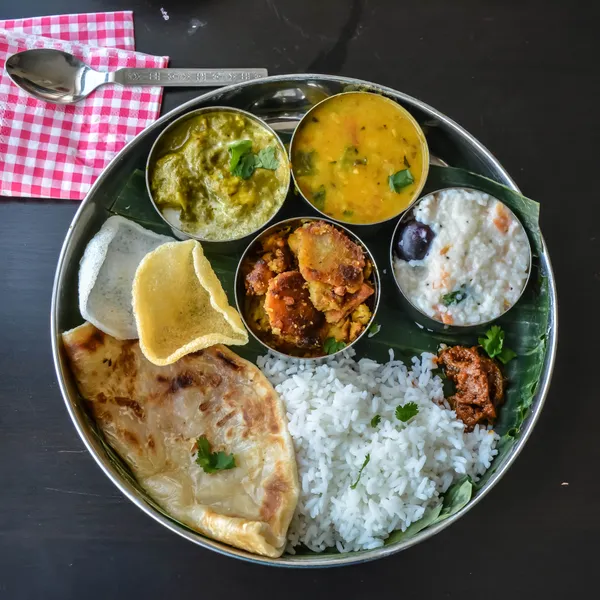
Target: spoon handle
185, 77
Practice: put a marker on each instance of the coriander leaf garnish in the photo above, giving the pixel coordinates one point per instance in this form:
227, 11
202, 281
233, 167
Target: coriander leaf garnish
506, 355
375, 420
374, 329
331, 345
348, 213
318, 197
243, 162
493, 341
365, 463
246, 166
400, 180
267, 158
236, 151
211, 462
224, 461
407, 411
455, 297
493, 344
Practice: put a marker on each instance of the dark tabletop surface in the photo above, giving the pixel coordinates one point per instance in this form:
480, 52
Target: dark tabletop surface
523, 77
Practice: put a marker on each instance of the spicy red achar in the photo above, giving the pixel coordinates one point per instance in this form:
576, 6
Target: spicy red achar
479, 385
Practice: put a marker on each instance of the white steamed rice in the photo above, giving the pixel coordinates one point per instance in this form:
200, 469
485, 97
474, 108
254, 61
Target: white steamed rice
330, 407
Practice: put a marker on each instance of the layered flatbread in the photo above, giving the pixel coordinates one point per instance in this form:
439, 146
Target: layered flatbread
152, 416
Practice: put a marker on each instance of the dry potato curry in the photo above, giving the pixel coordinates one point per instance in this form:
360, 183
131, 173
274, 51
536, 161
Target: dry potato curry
360, 158
309, 289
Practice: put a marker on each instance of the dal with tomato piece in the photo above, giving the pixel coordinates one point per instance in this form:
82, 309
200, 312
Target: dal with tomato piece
360, 158
219, 175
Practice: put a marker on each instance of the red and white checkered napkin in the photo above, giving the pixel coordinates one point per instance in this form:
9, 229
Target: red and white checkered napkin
50, 151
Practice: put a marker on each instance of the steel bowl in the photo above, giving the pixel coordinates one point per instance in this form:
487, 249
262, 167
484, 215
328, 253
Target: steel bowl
153, 156
423, 319
295, 222
281, 101
417, 191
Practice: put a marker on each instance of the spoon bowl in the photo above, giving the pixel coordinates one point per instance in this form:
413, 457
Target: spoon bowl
53, 76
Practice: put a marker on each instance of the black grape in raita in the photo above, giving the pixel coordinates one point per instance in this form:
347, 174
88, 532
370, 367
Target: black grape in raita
414, 241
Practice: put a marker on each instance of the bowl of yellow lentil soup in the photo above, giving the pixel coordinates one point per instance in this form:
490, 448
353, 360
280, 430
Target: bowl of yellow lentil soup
359, 158
217, 174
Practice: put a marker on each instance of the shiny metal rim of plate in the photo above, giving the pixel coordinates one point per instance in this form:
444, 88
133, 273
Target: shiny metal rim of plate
281, 101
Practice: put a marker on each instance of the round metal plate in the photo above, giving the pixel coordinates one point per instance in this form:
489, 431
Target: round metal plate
281, 101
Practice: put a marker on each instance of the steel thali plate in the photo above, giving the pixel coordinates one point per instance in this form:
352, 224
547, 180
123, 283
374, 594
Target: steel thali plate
281, 101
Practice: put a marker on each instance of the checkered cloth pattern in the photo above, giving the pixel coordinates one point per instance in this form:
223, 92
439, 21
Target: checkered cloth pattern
50, 151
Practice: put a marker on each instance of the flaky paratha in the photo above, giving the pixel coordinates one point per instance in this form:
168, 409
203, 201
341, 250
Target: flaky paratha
152, 416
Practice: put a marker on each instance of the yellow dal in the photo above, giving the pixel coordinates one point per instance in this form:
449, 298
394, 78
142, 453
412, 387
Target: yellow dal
345, 151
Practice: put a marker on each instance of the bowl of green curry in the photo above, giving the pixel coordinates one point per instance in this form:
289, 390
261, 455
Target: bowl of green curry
217, 174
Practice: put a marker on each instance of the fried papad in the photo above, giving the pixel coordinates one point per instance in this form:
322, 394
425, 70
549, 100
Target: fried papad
180, 305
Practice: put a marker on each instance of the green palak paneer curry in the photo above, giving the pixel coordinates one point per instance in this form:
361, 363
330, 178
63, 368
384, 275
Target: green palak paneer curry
219, 176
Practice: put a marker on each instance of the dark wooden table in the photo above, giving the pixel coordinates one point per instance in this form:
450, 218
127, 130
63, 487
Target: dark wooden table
523, 77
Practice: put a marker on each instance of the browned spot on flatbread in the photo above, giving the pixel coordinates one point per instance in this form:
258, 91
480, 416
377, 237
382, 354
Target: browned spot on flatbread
229, 433
127, 360
273, 497
260, 415
270, 414
101, 398
151, 442
229, 399
254, 414
93, 342
230, 362
130, 437
226, 418
131, 404
204, 406
181, 381
212, 380
274, 427
161, 379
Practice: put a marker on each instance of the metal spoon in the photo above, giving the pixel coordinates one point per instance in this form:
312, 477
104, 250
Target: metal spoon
60, 78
